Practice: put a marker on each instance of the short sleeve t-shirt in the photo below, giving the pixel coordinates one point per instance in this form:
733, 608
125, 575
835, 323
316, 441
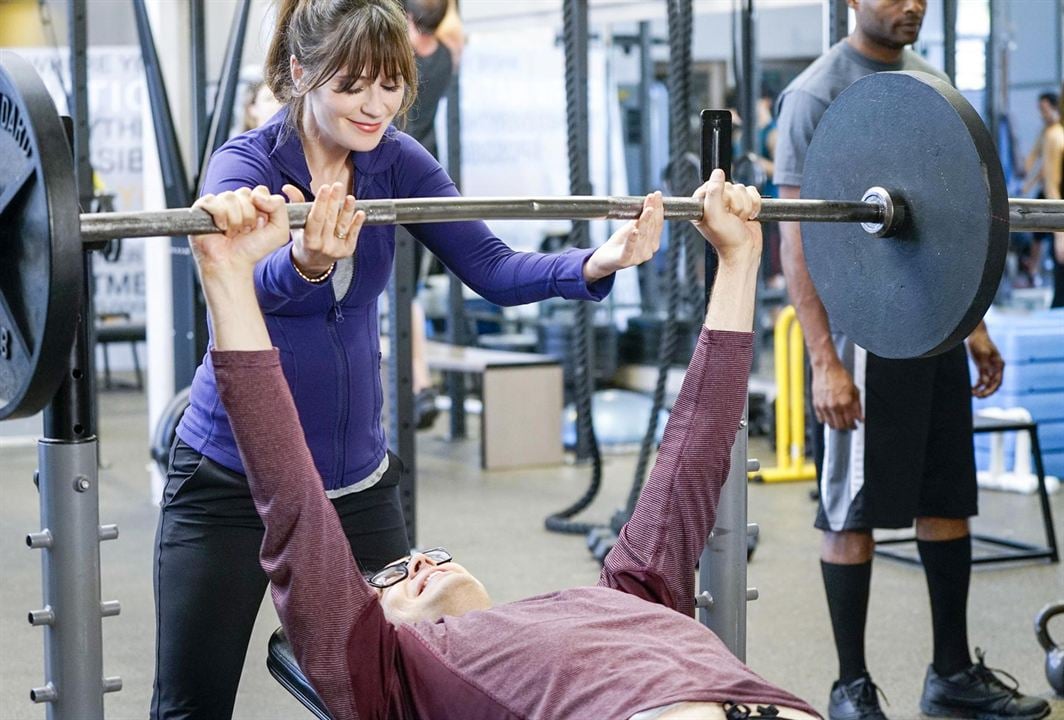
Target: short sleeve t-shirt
803, 102
434, 76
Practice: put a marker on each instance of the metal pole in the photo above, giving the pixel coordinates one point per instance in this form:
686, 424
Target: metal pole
198, 72
723, 593
221, 119
69, 538
575, 25
1058, 32
456, 324
837, 16
78, 134
722, 570
649, 282
751, 88
402, 435
751, 77
79, 98
187, 311
990, 85
646, 81
949, 39
67, 481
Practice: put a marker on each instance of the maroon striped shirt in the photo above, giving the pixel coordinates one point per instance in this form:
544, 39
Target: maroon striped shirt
609, 651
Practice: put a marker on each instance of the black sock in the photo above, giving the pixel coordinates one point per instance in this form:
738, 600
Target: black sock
847, 588
948, 567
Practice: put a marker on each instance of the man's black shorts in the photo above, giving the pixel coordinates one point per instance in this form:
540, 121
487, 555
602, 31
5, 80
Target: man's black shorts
912, 456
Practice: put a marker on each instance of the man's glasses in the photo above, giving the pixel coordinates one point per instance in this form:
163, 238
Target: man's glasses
399, 570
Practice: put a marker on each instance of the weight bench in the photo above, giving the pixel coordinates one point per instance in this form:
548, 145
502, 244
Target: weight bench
283, 666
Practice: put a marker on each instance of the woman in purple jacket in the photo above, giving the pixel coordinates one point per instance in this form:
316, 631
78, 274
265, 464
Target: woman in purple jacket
344, 70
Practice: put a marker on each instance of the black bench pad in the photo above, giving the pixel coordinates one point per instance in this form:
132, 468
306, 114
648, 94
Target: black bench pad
283, 666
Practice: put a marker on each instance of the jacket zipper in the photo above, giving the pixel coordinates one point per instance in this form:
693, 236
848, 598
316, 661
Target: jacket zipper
345, 390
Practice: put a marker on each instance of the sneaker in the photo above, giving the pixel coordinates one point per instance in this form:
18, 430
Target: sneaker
855, 700
978, 693
425, 410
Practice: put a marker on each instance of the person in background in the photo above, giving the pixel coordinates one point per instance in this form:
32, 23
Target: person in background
766, 150
898, 446
1053, 189
259, 105
1034, 170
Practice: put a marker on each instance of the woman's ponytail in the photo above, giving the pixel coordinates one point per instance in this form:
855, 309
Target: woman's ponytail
277, 70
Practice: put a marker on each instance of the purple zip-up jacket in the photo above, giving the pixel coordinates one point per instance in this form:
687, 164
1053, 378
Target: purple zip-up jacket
330, 350
602, 653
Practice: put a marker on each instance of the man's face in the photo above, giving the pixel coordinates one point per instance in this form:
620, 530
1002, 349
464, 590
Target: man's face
891, 23
1048, 111
431, 591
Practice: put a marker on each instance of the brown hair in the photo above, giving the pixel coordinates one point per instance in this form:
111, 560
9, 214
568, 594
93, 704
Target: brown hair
362, 37
426, 14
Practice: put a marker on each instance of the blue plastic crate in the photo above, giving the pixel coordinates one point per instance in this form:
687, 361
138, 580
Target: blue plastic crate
1034, 377
1028, 338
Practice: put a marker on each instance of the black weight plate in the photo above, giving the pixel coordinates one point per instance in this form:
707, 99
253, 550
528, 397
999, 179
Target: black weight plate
924, 290
40, 242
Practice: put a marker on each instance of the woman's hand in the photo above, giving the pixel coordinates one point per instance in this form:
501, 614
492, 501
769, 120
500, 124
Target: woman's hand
331, 232
634, 244
253, 224
729, 213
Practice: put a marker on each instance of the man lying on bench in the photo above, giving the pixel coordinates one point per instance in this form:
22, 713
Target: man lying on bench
421, 638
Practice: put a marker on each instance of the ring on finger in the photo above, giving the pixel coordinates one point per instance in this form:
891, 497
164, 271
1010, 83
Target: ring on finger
340, 234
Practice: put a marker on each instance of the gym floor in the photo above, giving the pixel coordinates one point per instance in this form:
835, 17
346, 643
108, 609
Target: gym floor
493, 523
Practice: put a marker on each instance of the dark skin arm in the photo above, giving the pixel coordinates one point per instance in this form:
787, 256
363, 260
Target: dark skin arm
988, 362
836, 400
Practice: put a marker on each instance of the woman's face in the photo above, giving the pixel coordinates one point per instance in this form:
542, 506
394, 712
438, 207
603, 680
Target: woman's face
354, 119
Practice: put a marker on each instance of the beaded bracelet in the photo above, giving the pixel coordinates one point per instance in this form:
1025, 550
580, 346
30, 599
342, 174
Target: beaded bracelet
315, 280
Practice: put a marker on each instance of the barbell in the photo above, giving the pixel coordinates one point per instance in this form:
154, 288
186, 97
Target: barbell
905, 239
878, 212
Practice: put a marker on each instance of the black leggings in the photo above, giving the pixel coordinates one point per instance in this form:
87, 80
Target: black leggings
209, 585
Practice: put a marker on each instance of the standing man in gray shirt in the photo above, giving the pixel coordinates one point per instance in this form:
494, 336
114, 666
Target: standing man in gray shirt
897, 446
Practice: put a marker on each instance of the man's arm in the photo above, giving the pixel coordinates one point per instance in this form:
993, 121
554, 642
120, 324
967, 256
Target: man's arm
657, 549
327, 609
836, 399
988, 362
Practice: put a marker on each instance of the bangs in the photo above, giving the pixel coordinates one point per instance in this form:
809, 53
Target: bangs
370, 44
373, 57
